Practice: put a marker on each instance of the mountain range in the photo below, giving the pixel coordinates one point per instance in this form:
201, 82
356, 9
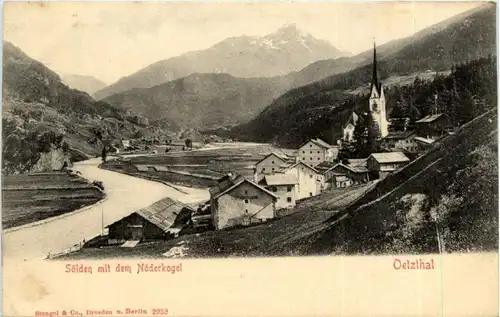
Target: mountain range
84, 83
314, 110
287, 50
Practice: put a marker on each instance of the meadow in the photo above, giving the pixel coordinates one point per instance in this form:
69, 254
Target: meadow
32, 197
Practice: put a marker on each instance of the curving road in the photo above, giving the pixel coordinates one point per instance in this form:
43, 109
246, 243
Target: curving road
125, 194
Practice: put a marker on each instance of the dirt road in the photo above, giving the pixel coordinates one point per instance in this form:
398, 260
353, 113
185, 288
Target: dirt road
125, 194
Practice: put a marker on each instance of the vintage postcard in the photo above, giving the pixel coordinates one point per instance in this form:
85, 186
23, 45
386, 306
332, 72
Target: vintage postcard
249, 159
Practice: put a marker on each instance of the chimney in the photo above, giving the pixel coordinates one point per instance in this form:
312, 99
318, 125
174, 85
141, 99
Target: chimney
255, 175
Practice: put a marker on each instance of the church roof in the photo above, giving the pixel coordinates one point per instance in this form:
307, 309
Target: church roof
353, 119
375, 80
430, 118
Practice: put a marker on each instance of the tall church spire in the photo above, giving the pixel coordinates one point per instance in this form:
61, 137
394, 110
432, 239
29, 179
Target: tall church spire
375, 81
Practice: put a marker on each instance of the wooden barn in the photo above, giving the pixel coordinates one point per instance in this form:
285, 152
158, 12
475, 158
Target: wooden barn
161, 220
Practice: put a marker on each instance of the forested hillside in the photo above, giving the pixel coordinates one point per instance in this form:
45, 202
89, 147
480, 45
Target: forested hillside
319, 109
446, 200
41, 114
468, 91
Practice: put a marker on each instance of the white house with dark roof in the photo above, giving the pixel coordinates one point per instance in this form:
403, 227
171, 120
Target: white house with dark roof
382, 164
400, 141
285, 186
316, 151
237, 201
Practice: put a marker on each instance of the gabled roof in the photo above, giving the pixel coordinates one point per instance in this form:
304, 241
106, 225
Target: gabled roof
390, 157
353, 119
280, 179
319, 143
354, 169
399, 135
305, 164
218, 191
430, 118
163, 213
280, 156
325, 166
424, 140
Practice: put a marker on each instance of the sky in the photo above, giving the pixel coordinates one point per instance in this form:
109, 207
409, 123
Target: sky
109, 40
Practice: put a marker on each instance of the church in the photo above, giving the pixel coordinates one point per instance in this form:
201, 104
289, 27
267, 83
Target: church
376, 107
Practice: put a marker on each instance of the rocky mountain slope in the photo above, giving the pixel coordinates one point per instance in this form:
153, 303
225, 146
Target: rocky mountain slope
42, 115
87, 84
277, 54
316, 109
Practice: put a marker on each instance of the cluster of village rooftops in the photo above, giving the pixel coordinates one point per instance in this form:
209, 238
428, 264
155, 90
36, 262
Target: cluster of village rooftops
280, 180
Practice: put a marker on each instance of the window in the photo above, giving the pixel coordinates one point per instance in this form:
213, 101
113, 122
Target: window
310, 145
318, 152
272, 162
311, 152
289, 188
303, 152
246, 201
289, 199
318, 158
274, 189
311, 158
246, 192
310, 176
303, 158
273, 169
263, 169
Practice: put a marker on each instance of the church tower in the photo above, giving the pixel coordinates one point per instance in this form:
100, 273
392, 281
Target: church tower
377, 99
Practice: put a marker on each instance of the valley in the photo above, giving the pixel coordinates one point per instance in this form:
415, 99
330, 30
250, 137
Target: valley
258, 138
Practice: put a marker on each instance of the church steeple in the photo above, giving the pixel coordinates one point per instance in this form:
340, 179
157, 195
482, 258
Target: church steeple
375, 80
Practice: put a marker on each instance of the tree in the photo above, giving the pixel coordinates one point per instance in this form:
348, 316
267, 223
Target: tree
366, 136
373, 135
189, 143
104, 153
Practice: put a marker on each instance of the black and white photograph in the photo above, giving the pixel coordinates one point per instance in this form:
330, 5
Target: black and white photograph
229, 130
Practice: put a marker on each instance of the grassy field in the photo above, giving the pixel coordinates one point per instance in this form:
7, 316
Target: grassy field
28, 198
208, 162
261, 240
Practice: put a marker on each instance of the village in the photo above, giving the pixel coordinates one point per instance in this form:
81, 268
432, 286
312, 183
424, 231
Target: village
282, 179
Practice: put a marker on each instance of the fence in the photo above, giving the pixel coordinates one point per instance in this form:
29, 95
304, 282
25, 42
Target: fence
74, 248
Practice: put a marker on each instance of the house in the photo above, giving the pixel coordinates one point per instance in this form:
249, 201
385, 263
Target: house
348, 135
285, 186
236, 201
341, 181
309, 180
315, 151
400, 141
424, 143
341, 175
382, 164
271, 163
157, 221
433, 126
